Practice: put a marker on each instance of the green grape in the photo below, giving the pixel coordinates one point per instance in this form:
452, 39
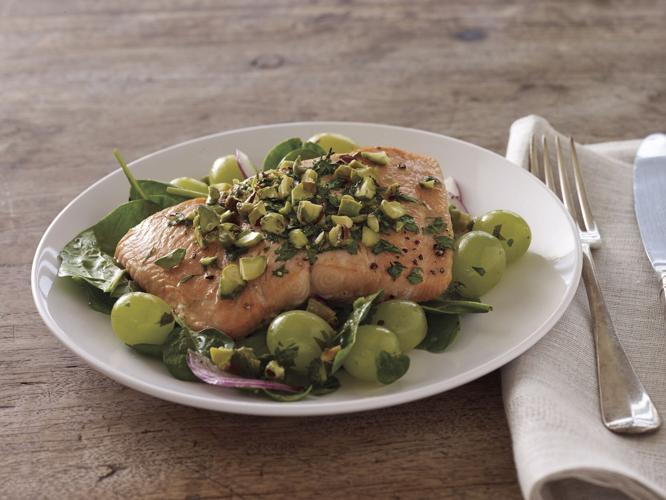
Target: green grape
141, 318
376, 356
225, 169
508, 227
190, 184
337, 142
300, 330
478, 263
404, 318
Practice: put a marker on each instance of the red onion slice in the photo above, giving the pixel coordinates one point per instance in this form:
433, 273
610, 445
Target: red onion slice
205, 370
455, 198
245, 164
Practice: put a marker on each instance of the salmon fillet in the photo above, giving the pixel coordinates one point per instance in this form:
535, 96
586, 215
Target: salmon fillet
336, 275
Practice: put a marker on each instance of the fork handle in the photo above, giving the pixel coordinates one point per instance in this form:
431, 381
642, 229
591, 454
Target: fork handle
626, 407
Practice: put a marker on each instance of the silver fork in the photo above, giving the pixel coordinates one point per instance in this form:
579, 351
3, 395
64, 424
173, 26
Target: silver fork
626, 407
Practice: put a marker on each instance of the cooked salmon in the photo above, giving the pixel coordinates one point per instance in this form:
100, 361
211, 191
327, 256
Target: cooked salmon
336, 275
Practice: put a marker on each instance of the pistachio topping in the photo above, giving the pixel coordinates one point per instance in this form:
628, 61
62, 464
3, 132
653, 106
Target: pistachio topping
231, 282
379, 157
392, 209
252, 268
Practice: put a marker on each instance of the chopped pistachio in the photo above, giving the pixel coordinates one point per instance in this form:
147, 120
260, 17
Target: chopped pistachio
362, 173
342, 172
213, 195
342, 220
299, 193
229, 226
392, 209
207, 219
373, 222
231, 281
208, 261
297, 238
268, 193
249, 240
349, 206
286, 208
273, 223
369, 238
285, 165
252, 267
378, 157
392, 190
399, 226
308, 212
257, 212
356, 164
335, 236
226, 238
221, 356
226, 215
320, 238
367, 190
286, 185
223, 187
297, 167
274, 370
429, 182
309, 180
360, 218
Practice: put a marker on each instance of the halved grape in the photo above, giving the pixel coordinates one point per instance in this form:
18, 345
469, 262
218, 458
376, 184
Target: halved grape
478, 263
376, 356
508, 227
225, 169
141, 318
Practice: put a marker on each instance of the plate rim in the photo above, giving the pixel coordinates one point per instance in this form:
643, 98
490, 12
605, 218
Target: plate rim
264, 408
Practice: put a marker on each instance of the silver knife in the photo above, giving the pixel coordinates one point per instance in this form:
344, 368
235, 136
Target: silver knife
650, 200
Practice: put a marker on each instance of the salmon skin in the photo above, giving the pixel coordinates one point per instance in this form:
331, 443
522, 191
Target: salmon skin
424, 264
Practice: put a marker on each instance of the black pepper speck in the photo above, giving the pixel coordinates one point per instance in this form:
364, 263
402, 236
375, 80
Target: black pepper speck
373, 266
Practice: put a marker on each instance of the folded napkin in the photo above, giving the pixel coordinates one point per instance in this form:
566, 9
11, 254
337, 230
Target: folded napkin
561, 448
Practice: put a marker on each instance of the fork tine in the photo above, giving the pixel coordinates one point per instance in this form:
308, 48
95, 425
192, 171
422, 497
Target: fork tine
534, 160
547, 171
585, 209
567, 193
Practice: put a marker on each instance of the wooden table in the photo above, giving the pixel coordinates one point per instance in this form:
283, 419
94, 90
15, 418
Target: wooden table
79, 78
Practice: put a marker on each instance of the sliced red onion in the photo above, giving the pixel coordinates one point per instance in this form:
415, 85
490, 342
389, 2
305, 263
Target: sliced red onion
245, 164
205, 370
455, 198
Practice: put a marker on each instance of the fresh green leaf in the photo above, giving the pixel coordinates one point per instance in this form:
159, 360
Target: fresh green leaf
308, 151
278, 152
331, 384
156, 192
83, 260
110, 230
287, 397
346, 337
454, 306
390, 367
181, 339
442, 330
172, 259
152, 350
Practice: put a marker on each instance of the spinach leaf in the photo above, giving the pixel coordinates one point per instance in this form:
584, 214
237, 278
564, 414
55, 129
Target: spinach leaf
156, 192
275, 155
287, 397
152, 350
181, 339
442, 330
83, 260
172, 259
347, 335
390, 367
308, 151
455, 306
115, 225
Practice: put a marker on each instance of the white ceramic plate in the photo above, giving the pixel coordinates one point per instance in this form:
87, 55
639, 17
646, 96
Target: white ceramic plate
531, 297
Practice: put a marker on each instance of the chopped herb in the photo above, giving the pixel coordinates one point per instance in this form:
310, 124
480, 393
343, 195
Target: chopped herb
436, 226
497, 232
442, 243
312, 254
509, 242
415, 276
208, 261
178, 218
186, 278
385, 246
172, 259
286, 251
234, 253
166, 319
352, 247
405, 197
395, 270
409, 224
481, 271
280, 271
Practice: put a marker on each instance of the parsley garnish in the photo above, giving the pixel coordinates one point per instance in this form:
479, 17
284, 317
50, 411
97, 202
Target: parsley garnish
436, 226
415, 275
409, 224
442, 243
352, 247
480, 271
395, 270
285, 251
385, 246
405, 197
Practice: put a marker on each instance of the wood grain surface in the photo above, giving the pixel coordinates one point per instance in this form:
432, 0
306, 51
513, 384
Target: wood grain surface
78, 78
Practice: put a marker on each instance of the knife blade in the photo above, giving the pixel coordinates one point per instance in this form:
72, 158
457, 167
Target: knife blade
650, 200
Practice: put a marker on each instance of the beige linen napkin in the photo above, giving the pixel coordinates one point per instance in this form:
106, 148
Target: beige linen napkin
561, 448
